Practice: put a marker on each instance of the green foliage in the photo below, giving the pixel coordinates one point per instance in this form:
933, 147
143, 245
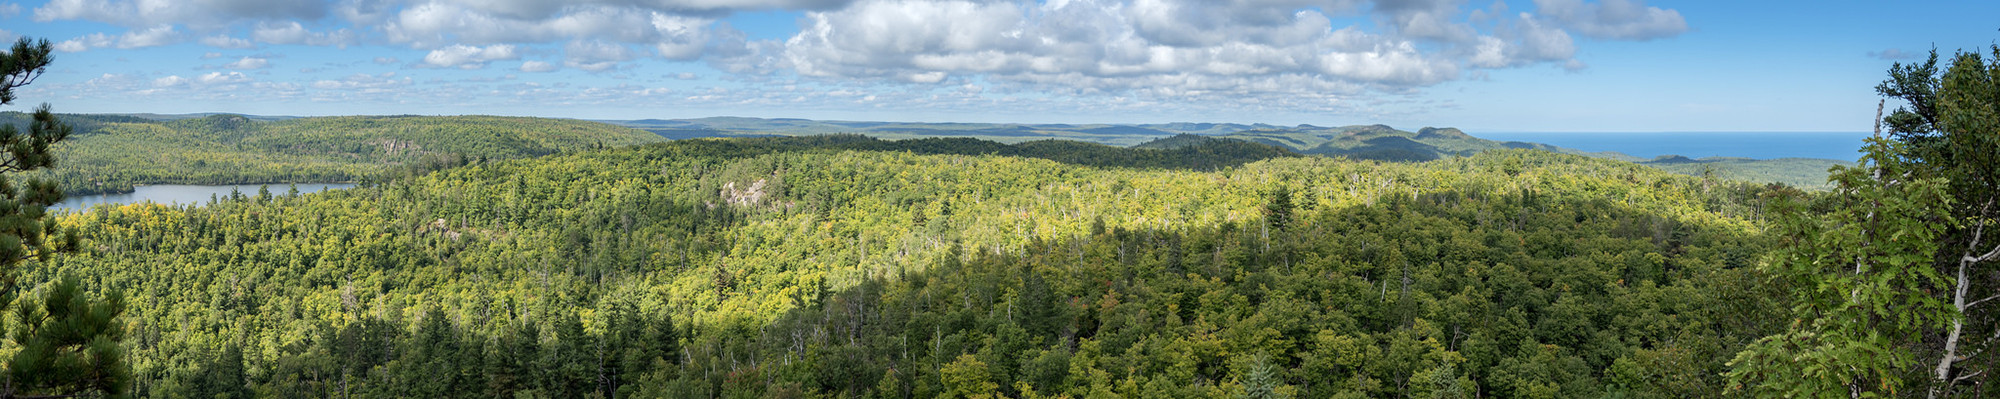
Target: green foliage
967, 377
1806, 173
849, 266
68, 343
1859, 272
1262, 381
112, 154
1951, 126
1887, 272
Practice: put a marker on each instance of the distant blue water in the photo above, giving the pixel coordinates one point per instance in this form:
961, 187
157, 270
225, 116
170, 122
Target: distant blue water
1759, 145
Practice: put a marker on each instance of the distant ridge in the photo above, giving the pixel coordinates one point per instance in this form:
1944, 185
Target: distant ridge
1370, 142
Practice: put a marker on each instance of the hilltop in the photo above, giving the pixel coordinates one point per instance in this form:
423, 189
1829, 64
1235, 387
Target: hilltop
111, 153
1380, 142
1108, 134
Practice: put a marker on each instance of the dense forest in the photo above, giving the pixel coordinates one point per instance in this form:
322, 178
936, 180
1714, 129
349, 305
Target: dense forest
550, 263
849, 266
109, 153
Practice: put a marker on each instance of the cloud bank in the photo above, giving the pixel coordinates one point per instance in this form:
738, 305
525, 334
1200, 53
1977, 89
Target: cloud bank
1303, 55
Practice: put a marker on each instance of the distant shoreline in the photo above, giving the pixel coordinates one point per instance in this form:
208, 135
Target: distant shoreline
1698, 145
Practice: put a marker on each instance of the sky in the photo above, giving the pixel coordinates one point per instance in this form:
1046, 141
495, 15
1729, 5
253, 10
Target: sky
1501, 66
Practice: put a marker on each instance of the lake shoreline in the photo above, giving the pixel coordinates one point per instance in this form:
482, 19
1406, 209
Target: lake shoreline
135, 187
175, 194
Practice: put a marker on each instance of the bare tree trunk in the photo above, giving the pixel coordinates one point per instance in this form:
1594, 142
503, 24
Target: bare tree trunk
1972, 257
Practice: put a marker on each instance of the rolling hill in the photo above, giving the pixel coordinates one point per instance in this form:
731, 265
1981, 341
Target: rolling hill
111, 153
846, 266
1374, 142
1109, 134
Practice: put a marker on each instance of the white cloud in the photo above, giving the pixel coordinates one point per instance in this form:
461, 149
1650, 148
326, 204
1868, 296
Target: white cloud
85, 43
438, 24
249, 63
9, 10
194, 13
596, 56
364, 82
1290, 54
538, 66
156, 36
1265, 51
1104, 47
222, 77
170, 81
221, 41
1614, 19
73, 45
293, 32
470, 57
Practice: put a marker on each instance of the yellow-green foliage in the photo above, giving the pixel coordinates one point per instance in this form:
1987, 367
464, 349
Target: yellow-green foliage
113, 155
765, 267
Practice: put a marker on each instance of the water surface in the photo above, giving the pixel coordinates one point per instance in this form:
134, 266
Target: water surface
184, 194
1760, 145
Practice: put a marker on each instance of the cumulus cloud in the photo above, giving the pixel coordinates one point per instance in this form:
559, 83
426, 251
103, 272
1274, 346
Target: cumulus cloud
293, 32
249, 63
1108, 47
222, 77
155, 36
1614, 19
1293, 54
1267, 51
364, 82
170, 81
194, 13
538, 66
470, 57
221, 41
596, 56
436, 24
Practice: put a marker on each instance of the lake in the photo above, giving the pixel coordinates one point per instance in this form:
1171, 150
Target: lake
183, 194
1760, 145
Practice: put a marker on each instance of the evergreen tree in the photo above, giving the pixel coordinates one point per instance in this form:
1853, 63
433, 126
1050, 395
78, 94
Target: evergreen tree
67, 342
1951, 126
1888, 274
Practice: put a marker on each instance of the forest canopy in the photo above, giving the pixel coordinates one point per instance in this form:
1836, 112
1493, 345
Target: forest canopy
847, 266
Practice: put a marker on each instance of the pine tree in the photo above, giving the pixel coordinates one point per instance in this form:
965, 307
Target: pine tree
68, 342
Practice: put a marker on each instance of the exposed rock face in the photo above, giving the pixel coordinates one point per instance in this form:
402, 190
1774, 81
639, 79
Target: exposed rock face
748, 196
397, 147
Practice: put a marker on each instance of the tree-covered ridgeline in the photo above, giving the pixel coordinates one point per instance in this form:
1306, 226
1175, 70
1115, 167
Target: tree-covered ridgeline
846, 266
111, 153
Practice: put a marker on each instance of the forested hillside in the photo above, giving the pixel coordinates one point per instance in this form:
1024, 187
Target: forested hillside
110, 153
1807, 173
850, 267
1384, 143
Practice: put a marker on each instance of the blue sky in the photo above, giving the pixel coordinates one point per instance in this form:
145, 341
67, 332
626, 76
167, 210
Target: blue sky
1523, 65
